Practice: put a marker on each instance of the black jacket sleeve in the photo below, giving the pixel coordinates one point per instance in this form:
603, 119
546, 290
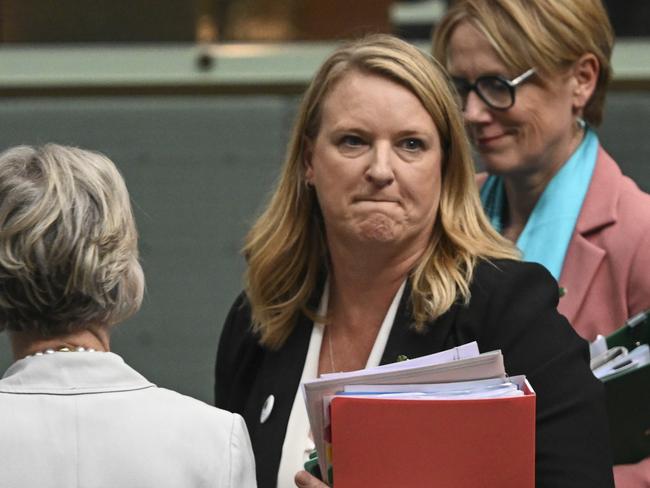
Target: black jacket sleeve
520, 318
236, 357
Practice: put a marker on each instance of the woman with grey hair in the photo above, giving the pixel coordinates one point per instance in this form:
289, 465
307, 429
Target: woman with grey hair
72, 413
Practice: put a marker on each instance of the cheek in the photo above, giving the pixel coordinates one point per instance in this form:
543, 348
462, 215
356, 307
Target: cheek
327, 200
425, 193
330, 167
543, 127
539, 114
433, 202
534, 126
335, 183
333, 196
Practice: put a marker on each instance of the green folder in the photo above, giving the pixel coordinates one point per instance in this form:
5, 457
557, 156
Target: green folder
635, 332
628, 396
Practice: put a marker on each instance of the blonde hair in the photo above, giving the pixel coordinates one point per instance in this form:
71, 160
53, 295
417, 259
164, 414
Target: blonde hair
285, 248
68, 242
548, 35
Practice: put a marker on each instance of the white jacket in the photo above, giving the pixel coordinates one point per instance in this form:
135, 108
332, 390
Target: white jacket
88, 420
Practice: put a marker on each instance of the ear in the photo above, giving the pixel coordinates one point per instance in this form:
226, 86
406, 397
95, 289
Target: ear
307, 155
585, 76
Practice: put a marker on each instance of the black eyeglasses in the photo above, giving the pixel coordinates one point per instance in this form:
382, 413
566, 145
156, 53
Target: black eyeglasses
496, 91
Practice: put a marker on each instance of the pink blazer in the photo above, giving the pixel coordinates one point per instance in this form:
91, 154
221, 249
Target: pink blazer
606, 272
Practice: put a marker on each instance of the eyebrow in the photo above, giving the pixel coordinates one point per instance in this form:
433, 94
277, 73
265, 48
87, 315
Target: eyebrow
401, 133
417, 132
349, 128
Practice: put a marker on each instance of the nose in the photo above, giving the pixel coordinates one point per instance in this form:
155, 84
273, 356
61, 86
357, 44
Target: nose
380, 168
475, 111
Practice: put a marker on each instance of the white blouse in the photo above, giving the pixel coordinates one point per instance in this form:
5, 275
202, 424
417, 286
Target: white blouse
298, 442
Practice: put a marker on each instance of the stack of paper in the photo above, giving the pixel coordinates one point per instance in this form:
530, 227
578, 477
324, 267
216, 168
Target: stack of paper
419, 400
618, 359
625, 350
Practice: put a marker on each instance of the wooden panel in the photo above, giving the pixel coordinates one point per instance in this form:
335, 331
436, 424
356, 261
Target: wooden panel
336, 19
60, 21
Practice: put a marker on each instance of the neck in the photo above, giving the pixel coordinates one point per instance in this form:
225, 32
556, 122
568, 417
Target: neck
363, 284
27, 343
523, 190
522, 195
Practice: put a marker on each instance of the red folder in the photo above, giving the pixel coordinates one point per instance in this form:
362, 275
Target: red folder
438, 443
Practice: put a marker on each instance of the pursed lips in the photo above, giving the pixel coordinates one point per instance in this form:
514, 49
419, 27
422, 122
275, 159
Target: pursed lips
376, 200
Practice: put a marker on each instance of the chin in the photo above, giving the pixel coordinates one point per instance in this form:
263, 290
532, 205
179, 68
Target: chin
378, 228
499, 164
378, 235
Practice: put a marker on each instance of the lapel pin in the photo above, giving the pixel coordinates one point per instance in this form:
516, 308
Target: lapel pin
267, 408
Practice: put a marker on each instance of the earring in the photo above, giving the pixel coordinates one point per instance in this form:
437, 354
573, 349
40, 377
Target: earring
581, 122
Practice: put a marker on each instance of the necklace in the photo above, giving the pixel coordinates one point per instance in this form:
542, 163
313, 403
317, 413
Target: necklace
51, 350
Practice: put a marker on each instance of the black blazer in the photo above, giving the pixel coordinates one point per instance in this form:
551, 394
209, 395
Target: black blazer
512, 308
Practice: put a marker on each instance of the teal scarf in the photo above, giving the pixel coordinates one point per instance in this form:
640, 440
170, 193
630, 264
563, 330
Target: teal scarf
547, 234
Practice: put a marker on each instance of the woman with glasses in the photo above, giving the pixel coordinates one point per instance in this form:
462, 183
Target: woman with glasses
532, 77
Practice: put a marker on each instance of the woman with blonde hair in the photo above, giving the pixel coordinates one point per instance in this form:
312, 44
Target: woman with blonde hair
374, 245
72, 413
532, 76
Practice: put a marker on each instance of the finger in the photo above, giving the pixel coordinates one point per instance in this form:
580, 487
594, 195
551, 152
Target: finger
304, 480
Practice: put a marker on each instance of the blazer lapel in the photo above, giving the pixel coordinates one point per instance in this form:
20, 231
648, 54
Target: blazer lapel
582, 263
584, 256
274, 393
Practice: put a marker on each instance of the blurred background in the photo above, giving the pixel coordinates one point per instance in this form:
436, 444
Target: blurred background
194, 100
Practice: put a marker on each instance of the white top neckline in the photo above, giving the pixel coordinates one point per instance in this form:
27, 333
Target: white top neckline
72, 373
297, 441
